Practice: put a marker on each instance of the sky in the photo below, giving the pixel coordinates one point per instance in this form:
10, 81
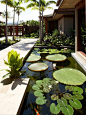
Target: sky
27, 15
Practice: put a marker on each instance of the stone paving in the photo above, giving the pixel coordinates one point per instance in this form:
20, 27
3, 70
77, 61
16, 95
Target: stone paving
12, 91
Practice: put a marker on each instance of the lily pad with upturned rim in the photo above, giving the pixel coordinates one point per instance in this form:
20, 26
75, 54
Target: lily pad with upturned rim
33, 58
38, 67
69, 76
56, 57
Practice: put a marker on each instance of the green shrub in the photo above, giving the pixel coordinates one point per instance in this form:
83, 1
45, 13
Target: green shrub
15, 63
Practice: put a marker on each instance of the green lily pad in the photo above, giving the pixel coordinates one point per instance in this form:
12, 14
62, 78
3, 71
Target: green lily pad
41, 101
46, 80
55, 109
39, 82
35, 87
38, 67
78, 96
70, 88
69, 76
54, 82
67, 96
46, 89
67, 110
62, 103
77, 90
75, 103
54, 97
33, 58
56, 57
38, 93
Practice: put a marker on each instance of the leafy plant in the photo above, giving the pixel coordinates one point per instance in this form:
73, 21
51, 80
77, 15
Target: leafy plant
15, 63
66, 101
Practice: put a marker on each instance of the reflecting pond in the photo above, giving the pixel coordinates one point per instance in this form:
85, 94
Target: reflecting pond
29, 106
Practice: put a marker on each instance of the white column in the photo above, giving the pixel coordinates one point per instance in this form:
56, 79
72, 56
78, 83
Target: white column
76, 30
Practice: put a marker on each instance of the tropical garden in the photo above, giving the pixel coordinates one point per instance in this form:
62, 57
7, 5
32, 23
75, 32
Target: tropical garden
57, 83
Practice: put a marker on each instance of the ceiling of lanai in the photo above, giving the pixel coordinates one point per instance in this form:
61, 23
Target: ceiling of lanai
67, 3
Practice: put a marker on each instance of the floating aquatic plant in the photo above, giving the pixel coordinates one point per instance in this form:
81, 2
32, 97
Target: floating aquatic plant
33, 58
69, 76
38, 66
56, 57
66, 101
41, 87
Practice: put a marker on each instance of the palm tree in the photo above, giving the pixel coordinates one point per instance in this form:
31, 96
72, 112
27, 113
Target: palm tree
5, 1
18, 11
4, 15
40, 5
14, 4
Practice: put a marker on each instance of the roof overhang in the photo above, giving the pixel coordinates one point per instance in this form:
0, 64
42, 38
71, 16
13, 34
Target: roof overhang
59, 13
67, 3
0, 12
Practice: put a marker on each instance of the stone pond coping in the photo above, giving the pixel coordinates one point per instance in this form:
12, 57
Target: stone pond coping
12, 92
80, 58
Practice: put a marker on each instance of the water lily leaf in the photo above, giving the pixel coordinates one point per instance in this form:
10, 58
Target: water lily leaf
39, 82
69, 76
77, 90
35, 87
38, 67
40, 101
62, 103
78, 96
56, 57
64, 100
46, 89
46, 80
67, 110
38, 93
33, 58
75, 103
67, 96
70, 88
54, 97
55, 109
54, 82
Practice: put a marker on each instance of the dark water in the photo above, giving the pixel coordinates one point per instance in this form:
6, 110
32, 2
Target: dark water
29, 103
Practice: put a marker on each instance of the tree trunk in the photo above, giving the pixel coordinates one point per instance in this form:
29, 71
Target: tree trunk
42, 24
13, 23
6, 40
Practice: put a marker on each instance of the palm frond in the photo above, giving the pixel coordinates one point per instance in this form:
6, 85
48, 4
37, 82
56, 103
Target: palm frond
31, 5
50, 2
35, 8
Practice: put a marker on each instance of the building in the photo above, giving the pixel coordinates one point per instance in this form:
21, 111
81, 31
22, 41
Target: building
71, 14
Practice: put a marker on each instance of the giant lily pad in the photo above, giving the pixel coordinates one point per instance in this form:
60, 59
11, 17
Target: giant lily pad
56, 57
38, 67
69, 76
33, 58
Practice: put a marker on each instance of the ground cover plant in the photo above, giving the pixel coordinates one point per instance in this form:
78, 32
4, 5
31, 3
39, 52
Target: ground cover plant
57, 39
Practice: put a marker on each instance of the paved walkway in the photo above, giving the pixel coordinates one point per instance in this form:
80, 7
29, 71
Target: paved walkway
12, 91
